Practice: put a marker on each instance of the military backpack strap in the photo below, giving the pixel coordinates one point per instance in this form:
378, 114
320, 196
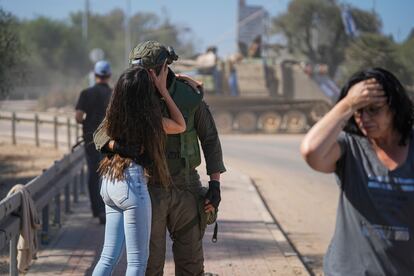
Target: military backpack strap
214, 238
190, 225
195, 221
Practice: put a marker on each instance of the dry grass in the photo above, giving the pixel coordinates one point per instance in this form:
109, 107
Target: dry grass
21, 163
18, 165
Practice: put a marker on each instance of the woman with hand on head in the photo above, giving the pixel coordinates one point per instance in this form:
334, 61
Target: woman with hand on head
134, 118
367, 140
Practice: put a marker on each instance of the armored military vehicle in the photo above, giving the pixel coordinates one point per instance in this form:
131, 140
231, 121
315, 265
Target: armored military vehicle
261, 89
270, 97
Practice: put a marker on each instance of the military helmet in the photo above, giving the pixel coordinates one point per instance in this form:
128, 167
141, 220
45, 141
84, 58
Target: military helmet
151, 54
211, 217
206, 218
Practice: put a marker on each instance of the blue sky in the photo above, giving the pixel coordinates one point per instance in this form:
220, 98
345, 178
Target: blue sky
212, 21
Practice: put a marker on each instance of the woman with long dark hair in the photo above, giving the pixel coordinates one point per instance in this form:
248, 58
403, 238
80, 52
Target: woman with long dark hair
367, 140
134, 118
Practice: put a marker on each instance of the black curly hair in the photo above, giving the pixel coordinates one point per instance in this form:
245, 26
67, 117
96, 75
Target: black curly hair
397, 99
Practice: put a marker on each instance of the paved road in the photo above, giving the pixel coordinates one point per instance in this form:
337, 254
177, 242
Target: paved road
303, 201
249, 242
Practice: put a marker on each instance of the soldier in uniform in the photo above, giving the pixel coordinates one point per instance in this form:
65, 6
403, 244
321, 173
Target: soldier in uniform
176, 207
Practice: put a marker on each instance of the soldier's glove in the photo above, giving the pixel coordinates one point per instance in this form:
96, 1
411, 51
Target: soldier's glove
213, 193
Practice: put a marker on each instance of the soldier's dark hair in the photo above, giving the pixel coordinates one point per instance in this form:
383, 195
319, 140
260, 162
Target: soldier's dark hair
397, 99
134, 117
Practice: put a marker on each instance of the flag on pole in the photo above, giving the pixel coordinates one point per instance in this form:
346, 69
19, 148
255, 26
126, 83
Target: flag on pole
349, 23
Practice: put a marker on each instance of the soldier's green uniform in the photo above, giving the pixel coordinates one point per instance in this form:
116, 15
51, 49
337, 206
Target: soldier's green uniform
177, 206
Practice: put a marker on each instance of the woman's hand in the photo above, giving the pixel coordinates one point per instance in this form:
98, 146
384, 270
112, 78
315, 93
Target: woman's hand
194, 83
365, 93
176, 123
160, 81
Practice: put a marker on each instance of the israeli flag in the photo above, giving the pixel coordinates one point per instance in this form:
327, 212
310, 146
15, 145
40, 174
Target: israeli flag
349, 24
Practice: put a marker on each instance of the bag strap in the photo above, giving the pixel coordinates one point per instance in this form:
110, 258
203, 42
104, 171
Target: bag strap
214, 238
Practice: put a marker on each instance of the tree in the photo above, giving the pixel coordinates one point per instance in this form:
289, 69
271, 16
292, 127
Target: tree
57, 59
374, 50
55, 51
11, 52
104, 32
107, 32
315, 31
406, 53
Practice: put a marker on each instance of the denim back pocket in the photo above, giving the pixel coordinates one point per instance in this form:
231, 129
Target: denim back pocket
118, 190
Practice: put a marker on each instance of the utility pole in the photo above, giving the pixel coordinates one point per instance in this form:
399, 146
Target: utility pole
127, 31
85, 21
315, 35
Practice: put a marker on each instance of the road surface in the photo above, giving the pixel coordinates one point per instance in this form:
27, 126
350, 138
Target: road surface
303, 201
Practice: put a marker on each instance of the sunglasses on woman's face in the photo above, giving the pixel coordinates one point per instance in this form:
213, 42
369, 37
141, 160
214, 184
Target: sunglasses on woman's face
370, 110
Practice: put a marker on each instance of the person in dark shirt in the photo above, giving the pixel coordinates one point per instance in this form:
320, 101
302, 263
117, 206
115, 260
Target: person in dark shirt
90, 111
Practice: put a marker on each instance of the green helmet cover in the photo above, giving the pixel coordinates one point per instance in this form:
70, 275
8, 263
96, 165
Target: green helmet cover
151, 54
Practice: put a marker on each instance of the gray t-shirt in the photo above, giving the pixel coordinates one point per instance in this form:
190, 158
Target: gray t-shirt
374, 232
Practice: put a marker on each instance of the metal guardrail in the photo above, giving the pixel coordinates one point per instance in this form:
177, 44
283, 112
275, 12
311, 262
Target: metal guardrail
36, 119
65, 177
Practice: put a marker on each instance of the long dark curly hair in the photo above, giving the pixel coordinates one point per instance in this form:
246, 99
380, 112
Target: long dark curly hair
397, 100
134, 117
